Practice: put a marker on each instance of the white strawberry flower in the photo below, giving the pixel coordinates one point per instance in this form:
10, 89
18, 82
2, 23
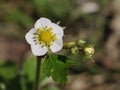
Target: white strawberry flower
45, 36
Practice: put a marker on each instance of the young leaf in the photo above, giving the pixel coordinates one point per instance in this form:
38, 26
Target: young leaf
47, 67
54, 67
60, 72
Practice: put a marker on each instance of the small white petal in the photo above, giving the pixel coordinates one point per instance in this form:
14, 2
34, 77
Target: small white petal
29, 36
57, 45
42, 22
38, 50
57, 30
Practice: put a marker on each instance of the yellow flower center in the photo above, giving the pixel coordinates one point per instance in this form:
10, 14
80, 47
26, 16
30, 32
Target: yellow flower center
45, 36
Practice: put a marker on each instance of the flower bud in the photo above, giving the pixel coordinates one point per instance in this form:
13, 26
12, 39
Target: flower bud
69, 45
80, 42
74, 50
89, 51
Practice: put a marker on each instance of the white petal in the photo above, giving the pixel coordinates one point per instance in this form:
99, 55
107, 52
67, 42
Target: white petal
29, 36
38, 50
57, 45
57, 30
42, 22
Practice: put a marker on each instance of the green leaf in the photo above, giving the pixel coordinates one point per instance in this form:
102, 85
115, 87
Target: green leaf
8, 70
54, 67
56, 8
47, 67
59, 72
29, 68
18, 16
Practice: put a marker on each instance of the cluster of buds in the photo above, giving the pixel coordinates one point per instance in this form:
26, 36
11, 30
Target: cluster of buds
80, 46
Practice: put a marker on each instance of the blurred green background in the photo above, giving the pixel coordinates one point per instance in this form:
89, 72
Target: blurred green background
96, 20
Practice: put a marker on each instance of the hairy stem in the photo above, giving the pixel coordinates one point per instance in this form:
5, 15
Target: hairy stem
38, 68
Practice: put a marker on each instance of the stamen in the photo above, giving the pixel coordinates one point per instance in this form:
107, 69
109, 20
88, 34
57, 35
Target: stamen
34, 40
44, 36
34, 33
33, 37
42, 46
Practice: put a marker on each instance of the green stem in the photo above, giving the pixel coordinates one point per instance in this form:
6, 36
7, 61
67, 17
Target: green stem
36, 86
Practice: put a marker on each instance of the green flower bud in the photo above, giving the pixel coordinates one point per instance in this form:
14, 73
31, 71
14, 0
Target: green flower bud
69, 45
80, 42
74, 50
89, 51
